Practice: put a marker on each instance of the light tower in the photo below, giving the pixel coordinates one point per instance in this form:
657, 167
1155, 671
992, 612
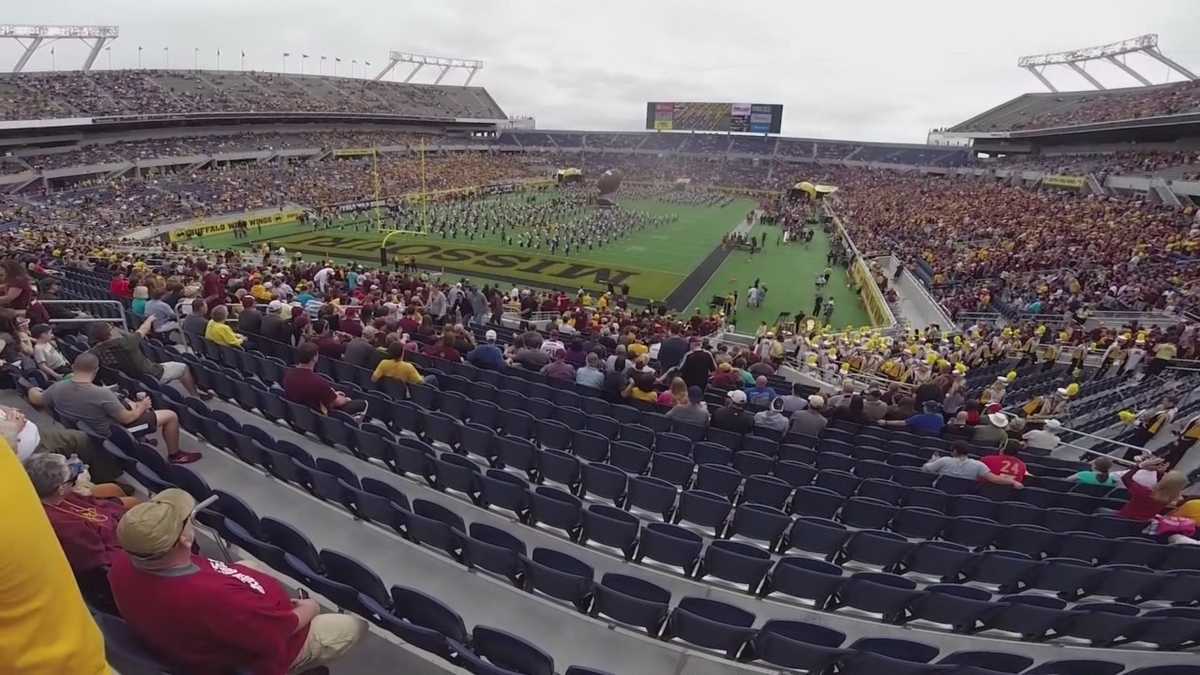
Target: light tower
395, 58
32, 38
1142, 44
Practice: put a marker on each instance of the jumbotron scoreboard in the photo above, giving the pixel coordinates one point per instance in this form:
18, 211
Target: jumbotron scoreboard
756, 118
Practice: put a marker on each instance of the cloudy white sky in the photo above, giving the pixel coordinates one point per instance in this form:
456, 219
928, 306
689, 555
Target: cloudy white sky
848, 69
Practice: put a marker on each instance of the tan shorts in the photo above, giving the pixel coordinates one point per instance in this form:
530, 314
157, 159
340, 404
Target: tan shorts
329, 637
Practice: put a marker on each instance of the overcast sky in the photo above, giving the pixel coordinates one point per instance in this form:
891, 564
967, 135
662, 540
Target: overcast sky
887, 71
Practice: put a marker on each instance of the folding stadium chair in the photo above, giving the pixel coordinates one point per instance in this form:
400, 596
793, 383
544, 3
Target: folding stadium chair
506, 651
501, 490
559, 576
370, 598
964, 609
424, 622
495, 551
436, 526
816, 535
710, 624
631, 601
669, 545
556, 509
798, 645
610, 527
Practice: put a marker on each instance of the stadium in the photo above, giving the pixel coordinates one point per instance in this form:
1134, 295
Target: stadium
311, 373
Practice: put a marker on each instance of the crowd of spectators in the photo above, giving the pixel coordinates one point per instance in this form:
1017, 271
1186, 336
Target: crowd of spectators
1072, 108
1172, 164
38, 95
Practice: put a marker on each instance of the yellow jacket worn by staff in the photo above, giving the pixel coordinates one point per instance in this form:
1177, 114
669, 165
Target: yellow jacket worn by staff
45, 628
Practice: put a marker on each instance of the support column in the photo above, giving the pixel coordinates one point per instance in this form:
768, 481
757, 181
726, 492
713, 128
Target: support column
412, 73
1128, 71
1042, 78
1084, 74
28, 54
1170, 63
97, 46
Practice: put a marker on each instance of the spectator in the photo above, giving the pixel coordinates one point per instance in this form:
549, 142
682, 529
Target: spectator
852, 411
219, 332
487, 355
727, 377
929, 421
992, 433
1099, 474
250, 320
123, 352
695, 412
329, 343
772, 418
46, 356
672, 350
394, 367
302, 384
1044, 439
559, 369
590, 374
95, 408
641, 388
163, 316
196, 323
842, 398
615, 381
676, 394
795, 401
1146, 502
811, 420
206, 616
761, 393
733, 416
962, 465
141, 295
85, 524
274, 325
1007, 463
361, 351
874, 409
45, 626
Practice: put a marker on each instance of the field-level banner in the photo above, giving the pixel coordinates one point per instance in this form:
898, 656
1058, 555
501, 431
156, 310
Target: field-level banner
220, 226
869, 292
1076, 182
518, 266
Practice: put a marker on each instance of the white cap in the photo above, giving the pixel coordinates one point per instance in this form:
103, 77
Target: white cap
1061, 391
1002, 379
737, 396
1053, 425
999, 420
274, 306
490, 336
816, 401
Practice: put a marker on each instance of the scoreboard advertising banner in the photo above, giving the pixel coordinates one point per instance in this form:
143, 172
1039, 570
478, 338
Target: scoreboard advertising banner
757, 118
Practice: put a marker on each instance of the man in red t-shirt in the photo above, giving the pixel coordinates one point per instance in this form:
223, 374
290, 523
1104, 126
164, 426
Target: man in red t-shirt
303, 385
206, 616
1006, 463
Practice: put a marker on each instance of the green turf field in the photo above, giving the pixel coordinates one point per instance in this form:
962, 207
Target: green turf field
788, 272
653, 262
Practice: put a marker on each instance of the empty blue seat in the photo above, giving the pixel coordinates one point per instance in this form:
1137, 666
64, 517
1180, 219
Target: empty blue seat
436, 526
707, 510
813, 580
651, 495
370, 597
711, 624
495, 550
507, 651
817, 535
500, 489
717, 479
557, 509
629, 457
942, 559
560, 576
735, 562
1103, 623
1001, 662
1077, 667
589, 445
761, 523
675, 469
765, 490
810, 500
866, 513
799, 645
672, 442
559, 467
749, 463
904, 650
887, 595
1032, 616
707, 452
611, 527
669, 545
632, 601
876, 547
964, 608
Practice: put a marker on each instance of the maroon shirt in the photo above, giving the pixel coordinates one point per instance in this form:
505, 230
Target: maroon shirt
304, 386
211, 618
87, 529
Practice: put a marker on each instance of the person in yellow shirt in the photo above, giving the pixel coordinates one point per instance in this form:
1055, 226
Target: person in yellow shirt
394, 367
218, 331
636, 349
45, 627
1163, 352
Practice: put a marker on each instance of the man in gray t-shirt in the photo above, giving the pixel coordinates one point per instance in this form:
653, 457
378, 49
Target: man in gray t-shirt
93, 406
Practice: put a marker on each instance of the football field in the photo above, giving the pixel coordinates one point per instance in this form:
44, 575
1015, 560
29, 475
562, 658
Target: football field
678, 262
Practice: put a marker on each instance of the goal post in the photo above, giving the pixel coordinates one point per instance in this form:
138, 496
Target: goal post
387, 237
